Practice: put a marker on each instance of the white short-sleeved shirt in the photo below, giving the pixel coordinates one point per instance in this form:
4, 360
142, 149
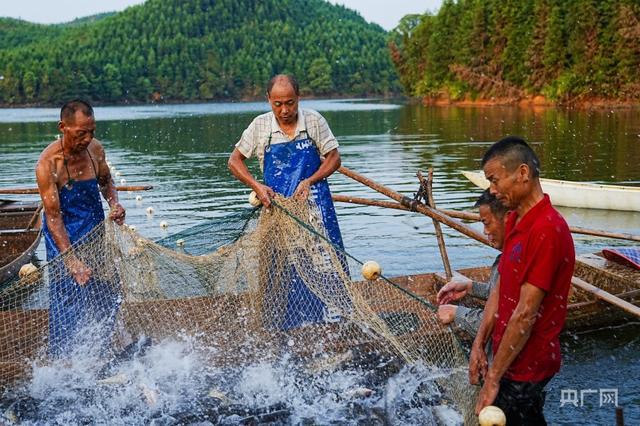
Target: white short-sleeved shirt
310, 125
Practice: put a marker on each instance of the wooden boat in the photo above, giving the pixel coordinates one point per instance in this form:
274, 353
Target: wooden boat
579, 194
26, 330
18, 240
585, 311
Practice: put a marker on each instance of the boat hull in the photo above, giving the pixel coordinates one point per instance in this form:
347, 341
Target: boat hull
18, 243
580, 194
20, 328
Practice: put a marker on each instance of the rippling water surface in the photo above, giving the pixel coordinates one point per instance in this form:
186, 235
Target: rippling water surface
182, 150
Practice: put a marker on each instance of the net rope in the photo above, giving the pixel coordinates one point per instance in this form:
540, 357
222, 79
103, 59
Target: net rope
266, 284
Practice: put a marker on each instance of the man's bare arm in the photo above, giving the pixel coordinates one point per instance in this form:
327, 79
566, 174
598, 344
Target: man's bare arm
515, 337
51, 203
518, 329
107, 186
330, 164
239, 169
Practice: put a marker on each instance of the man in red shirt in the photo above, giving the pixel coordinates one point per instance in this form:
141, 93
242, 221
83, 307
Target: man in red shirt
526, 310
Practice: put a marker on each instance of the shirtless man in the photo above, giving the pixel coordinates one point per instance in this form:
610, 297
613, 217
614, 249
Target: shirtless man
71, 173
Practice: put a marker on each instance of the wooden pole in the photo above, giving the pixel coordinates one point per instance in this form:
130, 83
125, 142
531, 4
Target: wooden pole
413, 205
20, 191
619, 416
475, 217
599, 233
606, 296
436, 225
574, 229
368, 202
34, 218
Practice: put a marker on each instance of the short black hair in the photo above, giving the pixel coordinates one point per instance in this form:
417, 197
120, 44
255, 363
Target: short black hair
513, 151
289, 77
69, 109
488, 199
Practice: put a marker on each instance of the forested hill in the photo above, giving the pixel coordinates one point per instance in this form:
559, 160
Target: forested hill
193, 50
567, 51
14, 33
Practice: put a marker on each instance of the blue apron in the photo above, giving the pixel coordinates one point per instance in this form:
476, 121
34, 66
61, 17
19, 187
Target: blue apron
285, 166
72, 306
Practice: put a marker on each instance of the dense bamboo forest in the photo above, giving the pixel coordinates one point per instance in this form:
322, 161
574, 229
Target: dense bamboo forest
195, 50
566, 51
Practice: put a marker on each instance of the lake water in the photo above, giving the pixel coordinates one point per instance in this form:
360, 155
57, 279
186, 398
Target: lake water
182, 151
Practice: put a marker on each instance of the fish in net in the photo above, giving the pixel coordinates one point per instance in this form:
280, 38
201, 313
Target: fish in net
268, 289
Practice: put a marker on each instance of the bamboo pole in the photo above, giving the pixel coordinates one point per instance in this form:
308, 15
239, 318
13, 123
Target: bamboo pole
475, 217
35, 216
413, 205
589, 288
574, 229
437, 227
606, 296
368, 202
599, 233
21, 191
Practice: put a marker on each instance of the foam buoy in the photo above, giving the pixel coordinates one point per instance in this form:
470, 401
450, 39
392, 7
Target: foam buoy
132, 227
371, 270
149, 210
254, 200
123, 181
180, 243
138, 198
492, 416
164, 224
118, 174
27, 269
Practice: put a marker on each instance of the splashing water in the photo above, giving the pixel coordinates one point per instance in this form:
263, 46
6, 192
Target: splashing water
231, 336
169, 382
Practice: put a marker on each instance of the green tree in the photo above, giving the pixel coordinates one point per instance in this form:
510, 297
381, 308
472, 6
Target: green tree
319, 76
29, 86
112, 86
165, 47
565, 50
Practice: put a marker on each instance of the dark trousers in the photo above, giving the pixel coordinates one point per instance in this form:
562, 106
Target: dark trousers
522, 402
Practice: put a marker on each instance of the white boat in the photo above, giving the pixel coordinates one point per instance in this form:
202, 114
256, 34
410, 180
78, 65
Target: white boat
580, 194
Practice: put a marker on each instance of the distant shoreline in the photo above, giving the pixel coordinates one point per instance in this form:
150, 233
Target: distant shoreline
537, 101
201, 101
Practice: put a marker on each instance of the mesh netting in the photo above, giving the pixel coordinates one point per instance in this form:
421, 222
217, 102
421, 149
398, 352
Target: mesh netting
271, 284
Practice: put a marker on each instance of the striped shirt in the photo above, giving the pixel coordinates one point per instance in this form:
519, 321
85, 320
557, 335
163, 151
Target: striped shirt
310, 125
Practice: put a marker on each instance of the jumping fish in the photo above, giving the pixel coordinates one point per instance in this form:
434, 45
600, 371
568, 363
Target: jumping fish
117, 379
330, 363
150, 395
361, 392
216, 394
136, 348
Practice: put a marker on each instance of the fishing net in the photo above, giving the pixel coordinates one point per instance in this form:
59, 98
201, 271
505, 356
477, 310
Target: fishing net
265, 286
